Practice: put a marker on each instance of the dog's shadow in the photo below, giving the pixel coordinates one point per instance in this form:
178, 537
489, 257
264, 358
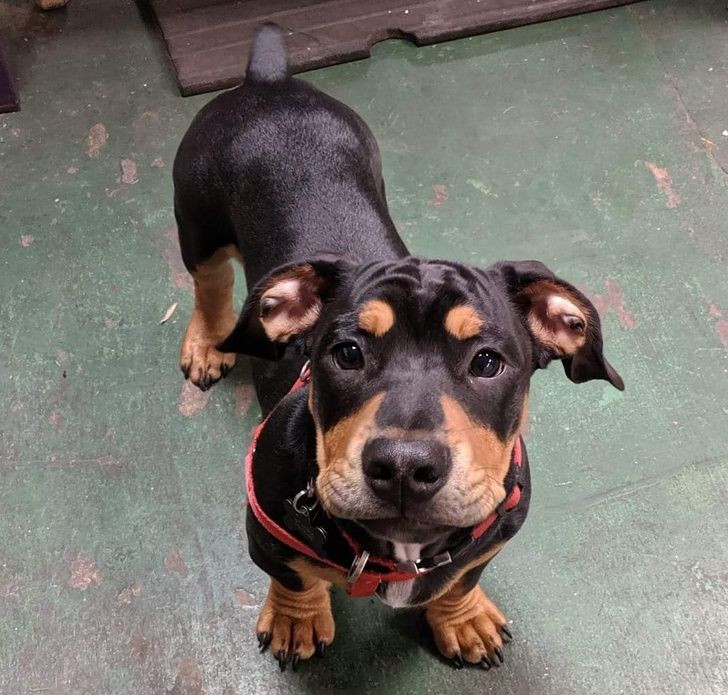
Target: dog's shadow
411, 625
377, 649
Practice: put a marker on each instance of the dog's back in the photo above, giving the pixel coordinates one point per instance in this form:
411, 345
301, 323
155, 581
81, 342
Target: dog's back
279, 170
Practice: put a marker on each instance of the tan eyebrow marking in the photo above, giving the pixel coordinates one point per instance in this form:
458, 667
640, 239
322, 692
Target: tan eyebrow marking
463, 322
376, 317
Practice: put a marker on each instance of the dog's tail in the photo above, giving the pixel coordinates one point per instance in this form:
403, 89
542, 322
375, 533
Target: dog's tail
268, 59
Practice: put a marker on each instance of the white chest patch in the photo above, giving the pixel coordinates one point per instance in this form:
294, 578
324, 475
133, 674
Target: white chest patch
397, 594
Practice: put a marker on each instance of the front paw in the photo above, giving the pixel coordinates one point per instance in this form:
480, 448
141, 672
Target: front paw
296, 624
199, 360
469, 628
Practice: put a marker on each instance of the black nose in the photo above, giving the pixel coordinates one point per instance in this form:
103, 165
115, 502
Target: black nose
400, 470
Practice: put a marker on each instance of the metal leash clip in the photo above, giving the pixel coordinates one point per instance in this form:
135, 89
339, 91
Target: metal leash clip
307, 492
357, 567
300, 517
424, 565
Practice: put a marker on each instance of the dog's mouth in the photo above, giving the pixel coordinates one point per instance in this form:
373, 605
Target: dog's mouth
410, 523
406, 530
400, 514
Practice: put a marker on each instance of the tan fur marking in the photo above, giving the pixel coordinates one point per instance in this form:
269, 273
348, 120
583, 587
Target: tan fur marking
311, 408
376, 317
485, 454
335, 443
297, 620
466, 623
212, 320
463, 322
339, 449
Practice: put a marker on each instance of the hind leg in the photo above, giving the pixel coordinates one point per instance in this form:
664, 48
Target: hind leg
212, 320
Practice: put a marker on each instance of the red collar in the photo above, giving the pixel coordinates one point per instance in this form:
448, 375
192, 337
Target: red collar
362, 582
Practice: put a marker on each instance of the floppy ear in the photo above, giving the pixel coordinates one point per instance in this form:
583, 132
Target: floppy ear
285, 304
562, 322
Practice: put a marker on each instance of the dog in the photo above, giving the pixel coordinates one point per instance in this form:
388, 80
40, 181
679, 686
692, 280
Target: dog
393, 465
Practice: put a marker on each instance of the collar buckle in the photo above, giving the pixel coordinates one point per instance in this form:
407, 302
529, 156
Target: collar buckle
424, 565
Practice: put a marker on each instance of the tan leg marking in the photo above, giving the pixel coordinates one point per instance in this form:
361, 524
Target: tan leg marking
296, 623
212, 320
466, 624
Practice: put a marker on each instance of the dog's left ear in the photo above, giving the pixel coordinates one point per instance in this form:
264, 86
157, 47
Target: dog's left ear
562, 322
285, 304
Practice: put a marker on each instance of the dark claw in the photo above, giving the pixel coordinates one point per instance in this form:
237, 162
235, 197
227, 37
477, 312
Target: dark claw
485, 663
282, 657
225, 370
264, 639
294, 662
499, 653
321, 648
506, 632
457, 660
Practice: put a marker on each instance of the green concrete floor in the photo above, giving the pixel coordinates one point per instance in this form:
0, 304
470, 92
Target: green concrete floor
598, 144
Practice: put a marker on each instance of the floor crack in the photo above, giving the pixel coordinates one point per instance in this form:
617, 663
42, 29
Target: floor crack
672, 82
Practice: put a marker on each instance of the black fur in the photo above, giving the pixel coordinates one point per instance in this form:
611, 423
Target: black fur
292, 178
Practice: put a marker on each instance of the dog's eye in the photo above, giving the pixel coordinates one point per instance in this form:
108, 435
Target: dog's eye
348, 356
486, 364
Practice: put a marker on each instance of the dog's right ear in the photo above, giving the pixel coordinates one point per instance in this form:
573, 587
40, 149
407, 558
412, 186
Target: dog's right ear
285, 304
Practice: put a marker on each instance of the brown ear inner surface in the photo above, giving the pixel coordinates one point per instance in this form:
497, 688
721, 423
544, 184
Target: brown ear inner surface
557, 319
291, 303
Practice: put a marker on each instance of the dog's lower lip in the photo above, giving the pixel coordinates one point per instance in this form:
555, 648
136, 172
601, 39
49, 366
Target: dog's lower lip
404, 521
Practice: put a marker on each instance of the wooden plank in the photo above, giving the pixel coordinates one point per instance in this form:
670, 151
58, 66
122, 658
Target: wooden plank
208, 41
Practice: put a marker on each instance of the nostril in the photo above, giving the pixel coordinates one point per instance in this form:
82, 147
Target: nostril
426, 474
398, 469
380, 470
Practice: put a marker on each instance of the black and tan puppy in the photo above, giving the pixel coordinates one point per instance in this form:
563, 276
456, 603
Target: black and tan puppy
397, 468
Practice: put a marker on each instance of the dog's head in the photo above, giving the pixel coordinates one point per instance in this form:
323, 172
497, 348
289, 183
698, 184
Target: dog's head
420, 377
